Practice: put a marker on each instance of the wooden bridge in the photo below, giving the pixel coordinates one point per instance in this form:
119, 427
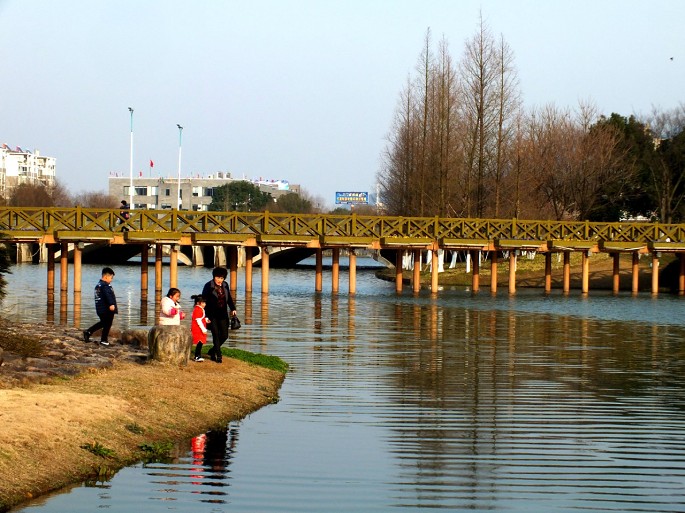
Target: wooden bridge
262, 231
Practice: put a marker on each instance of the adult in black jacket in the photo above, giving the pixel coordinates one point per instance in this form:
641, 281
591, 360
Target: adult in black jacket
219, 309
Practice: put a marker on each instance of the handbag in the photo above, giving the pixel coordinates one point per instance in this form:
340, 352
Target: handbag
235, 322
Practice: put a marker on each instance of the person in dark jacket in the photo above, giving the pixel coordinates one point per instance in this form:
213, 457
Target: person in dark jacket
105, 307
219, 309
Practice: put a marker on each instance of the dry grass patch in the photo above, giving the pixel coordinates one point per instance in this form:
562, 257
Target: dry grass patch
62, 432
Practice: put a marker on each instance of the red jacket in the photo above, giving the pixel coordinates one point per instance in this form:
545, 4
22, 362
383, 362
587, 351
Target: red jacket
198, 325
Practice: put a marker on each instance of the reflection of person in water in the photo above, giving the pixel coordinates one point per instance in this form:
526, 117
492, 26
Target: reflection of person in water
213, 451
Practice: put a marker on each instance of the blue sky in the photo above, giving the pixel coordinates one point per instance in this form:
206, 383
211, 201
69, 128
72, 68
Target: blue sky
297, 90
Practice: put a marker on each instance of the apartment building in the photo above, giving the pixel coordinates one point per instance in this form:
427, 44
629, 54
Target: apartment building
19, 166
196, 192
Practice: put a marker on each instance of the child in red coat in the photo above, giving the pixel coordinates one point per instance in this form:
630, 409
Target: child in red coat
198, 326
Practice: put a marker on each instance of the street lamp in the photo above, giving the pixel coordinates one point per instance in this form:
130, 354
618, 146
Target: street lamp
180, 140
130, 166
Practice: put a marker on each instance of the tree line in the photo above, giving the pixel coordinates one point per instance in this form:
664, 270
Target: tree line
462, 145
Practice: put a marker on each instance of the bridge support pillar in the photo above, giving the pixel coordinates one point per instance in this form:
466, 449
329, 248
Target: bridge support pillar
198, 256
616, 275
64, 268
681, 275
158, 273
219, 256
585, 286
353, 272
636, 272
655, 272
144, 267
265, 270
78, 251
566, 286
548, 272
399, 256
493, 272
512, 271
248, 271
42, 253
23, 252
51, 274
233, 268
416, 274
318, 280
173, 265
434, 272
335, 271
475, 277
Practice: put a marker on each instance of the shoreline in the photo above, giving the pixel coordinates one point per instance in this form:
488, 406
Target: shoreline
49, 429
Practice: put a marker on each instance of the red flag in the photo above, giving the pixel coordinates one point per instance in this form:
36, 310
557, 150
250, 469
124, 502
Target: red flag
152, 164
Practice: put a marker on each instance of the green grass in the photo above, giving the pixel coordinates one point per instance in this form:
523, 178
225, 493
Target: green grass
262, 360
99, 450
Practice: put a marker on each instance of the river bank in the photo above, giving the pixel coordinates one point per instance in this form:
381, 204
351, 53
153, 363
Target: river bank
63, 429
530, 273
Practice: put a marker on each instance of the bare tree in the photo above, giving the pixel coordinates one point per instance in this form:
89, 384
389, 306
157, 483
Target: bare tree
96, 200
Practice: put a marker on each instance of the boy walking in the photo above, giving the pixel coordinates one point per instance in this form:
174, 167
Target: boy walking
105, 307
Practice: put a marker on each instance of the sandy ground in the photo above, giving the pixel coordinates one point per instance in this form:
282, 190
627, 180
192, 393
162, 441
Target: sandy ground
43, 427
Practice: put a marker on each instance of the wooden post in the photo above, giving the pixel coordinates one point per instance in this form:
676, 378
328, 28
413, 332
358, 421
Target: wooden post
77, 269
173, 265
144, 273
655, 272
681, 276
353, 272
475, 276
233, 269
616, 282
51, 274
265, 269
434, 271
512, 271
335, 271
318, 279
566, 287
64, 268
158, 271
548, 272
416, 280
398, 271
585, 287
636, 272
248, 271
493, 272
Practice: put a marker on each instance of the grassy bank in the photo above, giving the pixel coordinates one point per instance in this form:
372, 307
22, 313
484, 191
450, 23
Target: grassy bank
76, 428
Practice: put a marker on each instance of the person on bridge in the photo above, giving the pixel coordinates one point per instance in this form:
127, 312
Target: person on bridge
170, 313
105, 307
220, 307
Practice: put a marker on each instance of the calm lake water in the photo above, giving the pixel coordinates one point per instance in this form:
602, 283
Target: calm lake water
400, 402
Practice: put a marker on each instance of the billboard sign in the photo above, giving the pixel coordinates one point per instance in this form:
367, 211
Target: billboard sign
352, 198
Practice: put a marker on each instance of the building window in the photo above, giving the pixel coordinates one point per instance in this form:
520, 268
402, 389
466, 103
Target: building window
167, 192
197, 191
141, 191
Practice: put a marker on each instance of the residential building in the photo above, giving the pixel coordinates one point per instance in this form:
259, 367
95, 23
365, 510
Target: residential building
19, 166
196, 192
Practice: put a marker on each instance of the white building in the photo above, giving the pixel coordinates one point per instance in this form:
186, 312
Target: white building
19, 166
196, 192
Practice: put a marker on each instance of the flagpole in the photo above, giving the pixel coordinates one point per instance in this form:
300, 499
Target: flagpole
130, 166
180, 138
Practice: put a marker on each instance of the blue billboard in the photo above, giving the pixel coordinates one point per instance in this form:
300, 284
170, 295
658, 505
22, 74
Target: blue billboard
352, 198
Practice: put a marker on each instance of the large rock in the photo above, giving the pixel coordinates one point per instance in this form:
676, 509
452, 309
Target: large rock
170, 344
135, 338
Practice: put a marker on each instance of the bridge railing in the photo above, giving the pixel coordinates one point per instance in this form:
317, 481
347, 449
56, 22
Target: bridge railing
18, 221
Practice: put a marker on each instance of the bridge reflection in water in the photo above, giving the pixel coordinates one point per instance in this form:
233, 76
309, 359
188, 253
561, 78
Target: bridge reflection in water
248, 237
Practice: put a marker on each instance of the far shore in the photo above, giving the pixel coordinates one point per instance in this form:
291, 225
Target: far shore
49, 430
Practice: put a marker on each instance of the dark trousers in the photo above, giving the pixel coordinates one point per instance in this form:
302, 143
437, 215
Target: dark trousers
105, 322
198, 349
219, 329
